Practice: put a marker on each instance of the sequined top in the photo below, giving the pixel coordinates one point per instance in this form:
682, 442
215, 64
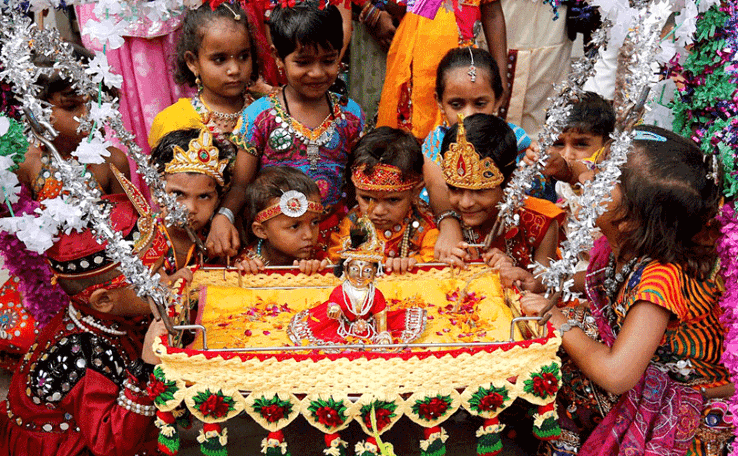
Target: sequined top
268, 132
48, 184
64, 399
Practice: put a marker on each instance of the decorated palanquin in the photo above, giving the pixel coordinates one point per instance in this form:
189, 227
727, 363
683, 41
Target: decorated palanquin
471, 354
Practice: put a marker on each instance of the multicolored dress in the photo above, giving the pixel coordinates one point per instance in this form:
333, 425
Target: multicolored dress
665, 410
416, 235
520, 242
268, 132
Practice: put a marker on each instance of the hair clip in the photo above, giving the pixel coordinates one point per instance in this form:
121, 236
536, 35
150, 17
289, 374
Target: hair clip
236, 17
472, 69
641, 135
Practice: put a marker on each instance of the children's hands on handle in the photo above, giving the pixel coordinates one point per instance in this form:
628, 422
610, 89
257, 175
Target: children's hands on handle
223, 238
532, 304
519, 277
400, 265
497, 259
309, 267
156, 330
249, 265
458, 256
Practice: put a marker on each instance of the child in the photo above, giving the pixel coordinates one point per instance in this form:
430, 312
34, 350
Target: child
386, 172
216, 54
38, 172
654, 288
301, 125
467, 82
195, 168
478, 160
81, 389
283, 214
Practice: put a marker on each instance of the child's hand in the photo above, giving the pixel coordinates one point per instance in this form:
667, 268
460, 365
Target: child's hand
519, 277
447, 242
497, 259
400, 265
531, 304
156, 330
458, 256
531, 153
223, 238
184, 273
248, 265
309, 267
556, 166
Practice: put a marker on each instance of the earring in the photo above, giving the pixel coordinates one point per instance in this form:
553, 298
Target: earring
198, 83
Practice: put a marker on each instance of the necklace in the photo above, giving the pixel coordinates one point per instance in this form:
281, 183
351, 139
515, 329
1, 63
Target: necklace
313, 139
75, 315
614, 280
221, 115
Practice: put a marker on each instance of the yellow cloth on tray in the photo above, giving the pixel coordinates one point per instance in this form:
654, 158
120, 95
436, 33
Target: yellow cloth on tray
258, 317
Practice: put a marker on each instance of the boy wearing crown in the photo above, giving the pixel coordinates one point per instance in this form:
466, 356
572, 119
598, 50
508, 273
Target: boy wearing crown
81, 389
386, 172
356, 309
479, 155
194, 167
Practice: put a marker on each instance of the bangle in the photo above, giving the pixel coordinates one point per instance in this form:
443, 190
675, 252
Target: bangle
571, 324
443, 215
365, 11
227, 213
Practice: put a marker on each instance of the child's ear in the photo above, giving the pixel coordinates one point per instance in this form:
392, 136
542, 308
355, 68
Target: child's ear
102, 301
418, 188
279, 61
191, 60
259, 230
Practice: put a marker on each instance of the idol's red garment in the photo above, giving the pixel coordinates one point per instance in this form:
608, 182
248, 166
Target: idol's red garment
66, 397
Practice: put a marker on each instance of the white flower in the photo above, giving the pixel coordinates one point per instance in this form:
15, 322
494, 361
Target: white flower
102, 112
65, 215
4, 125
107, 31
100, 70
685, 30
30, 230
108, 7
92, 151
10, 185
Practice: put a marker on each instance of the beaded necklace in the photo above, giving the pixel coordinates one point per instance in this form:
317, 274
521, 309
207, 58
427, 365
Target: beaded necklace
290, 129
89, 320
211, 118
614, 280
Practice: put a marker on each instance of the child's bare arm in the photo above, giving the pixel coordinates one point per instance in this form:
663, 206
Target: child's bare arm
449, 229
223, 239
618, 368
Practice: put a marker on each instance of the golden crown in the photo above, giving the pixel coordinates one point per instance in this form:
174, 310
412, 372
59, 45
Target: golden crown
201, 157
371, 250
462, 167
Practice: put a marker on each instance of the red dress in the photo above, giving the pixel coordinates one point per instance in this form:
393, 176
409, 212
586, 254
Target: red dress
314, 325
65, 399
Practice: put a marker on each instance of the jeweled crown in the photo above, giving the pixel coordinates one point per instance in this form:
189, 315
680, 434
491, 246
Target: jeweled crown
463, 168
201, 157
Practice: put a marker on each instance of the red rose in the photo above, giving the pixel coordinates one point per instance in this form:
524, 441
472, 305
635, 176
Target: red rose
272, 413
545, 384
214, 406
383, 418
433, 409
328, 417
491, 402
155, 388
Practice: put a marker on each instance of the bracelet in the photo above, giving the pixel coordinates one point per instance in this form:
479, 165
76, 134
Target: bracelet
135, 407
449, 213
373, 18
365, 11
569, 325
227, 213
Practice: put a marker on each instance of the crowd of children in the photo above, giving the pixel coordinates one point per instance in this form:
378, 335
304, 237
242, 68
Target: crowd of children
282, 178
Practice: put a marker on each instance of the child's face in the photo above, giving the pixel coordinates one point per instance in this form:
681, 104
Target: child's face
294, 237
223, 61
385, 209
461, 95
311, 70
574, 145
65, 106
197, 192
476, 207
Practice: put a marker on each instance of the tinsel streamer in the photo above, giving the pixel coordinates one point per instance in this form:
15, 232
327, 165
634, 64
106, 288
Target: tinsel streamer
557, 115
638, 52
40, 298
727, 247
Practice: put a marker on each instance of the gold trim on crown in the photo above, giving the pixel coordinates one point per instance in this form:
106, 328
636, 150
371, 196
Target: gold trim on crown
371, 250
201, 157
462, 167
